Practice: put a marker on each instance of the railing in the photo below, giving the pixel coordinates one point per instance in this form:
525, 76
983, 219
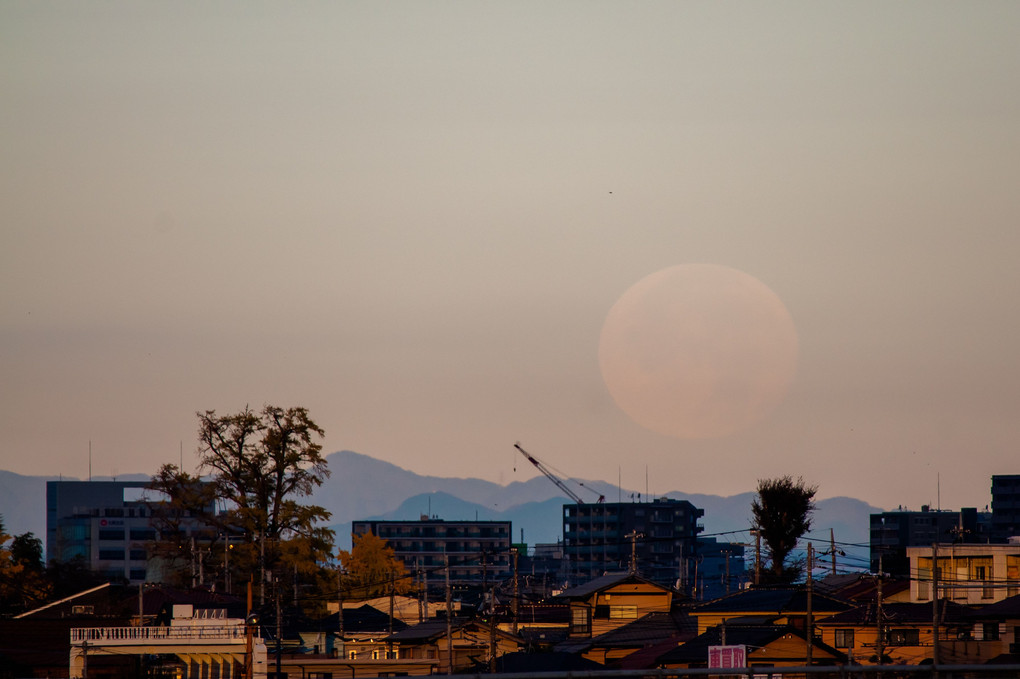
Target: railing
128, 635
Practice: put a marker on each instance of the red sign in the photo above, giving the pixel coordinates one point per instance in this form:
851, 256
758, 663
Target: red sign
727, 656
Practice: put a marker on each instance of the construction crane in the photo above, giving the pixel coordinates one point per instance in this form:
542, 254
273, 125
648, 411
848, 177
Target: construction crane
555, 479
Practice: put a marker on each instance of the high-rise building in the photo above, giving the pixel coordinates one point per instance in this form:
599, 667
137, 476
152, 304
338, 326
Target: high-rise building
655, 539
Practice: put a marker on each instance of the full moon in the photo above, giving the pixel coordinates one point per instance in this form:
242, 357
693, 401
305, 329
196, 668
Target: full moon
698, 351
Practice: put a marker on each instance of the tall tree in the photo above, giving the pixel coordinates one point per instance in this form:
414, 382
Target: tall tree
258, 467
782, 514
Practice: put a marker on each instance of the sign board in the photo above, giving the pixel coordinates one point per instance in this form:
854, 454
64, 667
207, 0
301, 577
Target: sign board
727, 656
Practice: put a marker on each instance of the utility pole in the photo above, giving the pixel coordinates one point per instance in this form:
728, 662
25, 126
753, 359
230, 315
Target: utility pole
417, 582
726, 553
935, 604
279, 626
880, 646
809, 624
340, 605
832, 549
389, 644
757, 555
633, 535
514, 602
449, 617
492, 631
248, 660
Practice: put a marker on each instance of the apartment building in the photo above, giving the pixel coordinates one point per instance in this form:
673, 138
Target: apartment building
478, 551
659, 537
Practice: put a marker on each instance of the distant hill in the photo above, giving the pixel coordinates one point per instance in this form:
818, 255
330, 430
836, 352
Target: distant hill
362, 487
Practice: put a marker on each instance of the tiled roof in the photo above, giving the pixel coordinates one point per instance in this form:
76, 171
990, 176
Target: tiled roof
695, 651
783, 600
1007, 608
901, 613
648, 629
598, 584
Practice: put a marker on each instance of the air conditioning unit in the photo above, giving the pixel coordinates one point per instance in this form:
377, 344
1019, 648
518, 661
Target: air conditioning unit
83, 610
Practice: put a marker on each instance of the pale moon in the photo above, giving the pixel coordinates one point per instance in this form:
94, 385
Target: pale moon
698, 351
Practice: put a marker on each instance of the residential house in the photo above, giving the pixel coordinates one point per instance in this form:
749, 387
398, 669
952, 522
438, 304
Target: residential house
650, 630
780, 605
472, 643
764, 645
906, 634
604, 604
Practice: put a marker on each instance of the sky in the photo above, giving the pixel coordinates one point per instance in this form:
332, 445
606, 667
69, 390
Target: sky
414, 219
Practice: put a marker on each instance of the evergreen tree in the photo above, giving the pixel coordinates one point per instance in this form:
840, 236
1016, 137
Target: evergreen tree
782, 514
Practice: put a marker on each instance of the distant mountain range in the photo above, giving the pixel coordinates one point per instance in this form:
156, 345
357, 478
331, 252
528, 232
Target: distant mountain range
362, 487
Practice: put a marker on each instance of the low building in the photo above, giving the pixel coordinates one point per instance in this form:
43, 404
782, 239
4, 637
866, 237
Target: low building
473, 644
612, 601
967, 574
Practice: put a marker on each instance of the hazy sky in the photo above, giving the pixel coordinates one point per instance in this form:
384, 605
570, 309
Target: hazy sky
413, 219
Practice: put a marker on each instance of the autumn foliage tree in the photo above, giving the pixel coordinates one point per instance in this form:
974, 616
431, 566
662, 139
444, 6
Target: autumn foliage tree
372, 569
782, 511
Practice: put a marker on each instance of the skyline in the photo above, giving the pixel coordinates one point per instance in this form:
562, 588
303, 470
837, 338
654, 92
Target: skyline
415, 221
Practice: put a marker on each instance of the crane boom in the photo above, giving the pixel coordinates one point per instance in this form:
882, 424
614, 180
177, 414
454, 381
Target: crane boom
552, 477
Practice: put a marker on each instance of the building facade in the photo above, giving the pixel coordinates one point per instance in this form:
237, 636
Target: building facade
971, 575
478, 551
1005, 507
106, 524
892, 533
659, 537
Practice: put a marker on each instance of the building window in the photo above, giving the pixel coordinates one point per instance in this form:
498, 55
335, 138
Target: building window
844, 638
904, 637
580, 622
108, 534
990, 631
111, 554
623, 612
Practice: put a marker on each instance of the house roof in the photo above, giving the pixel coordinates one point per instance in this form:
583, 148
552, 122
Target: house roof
605, 582
781, 600
860, 586
898, 613
649, 629
1004, 609
695, 651
545, 662
362, 619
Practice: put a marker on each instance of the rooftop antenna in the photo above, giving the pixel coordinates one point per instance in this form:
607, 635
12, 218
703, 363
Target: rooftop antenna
182, 456
938, 491
90, 459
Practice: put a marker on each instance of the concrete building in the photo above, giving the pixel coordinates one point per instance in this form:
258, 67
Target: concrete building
107, 524
1005, 507
659, 535
477, 550
972, 575
892, 533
